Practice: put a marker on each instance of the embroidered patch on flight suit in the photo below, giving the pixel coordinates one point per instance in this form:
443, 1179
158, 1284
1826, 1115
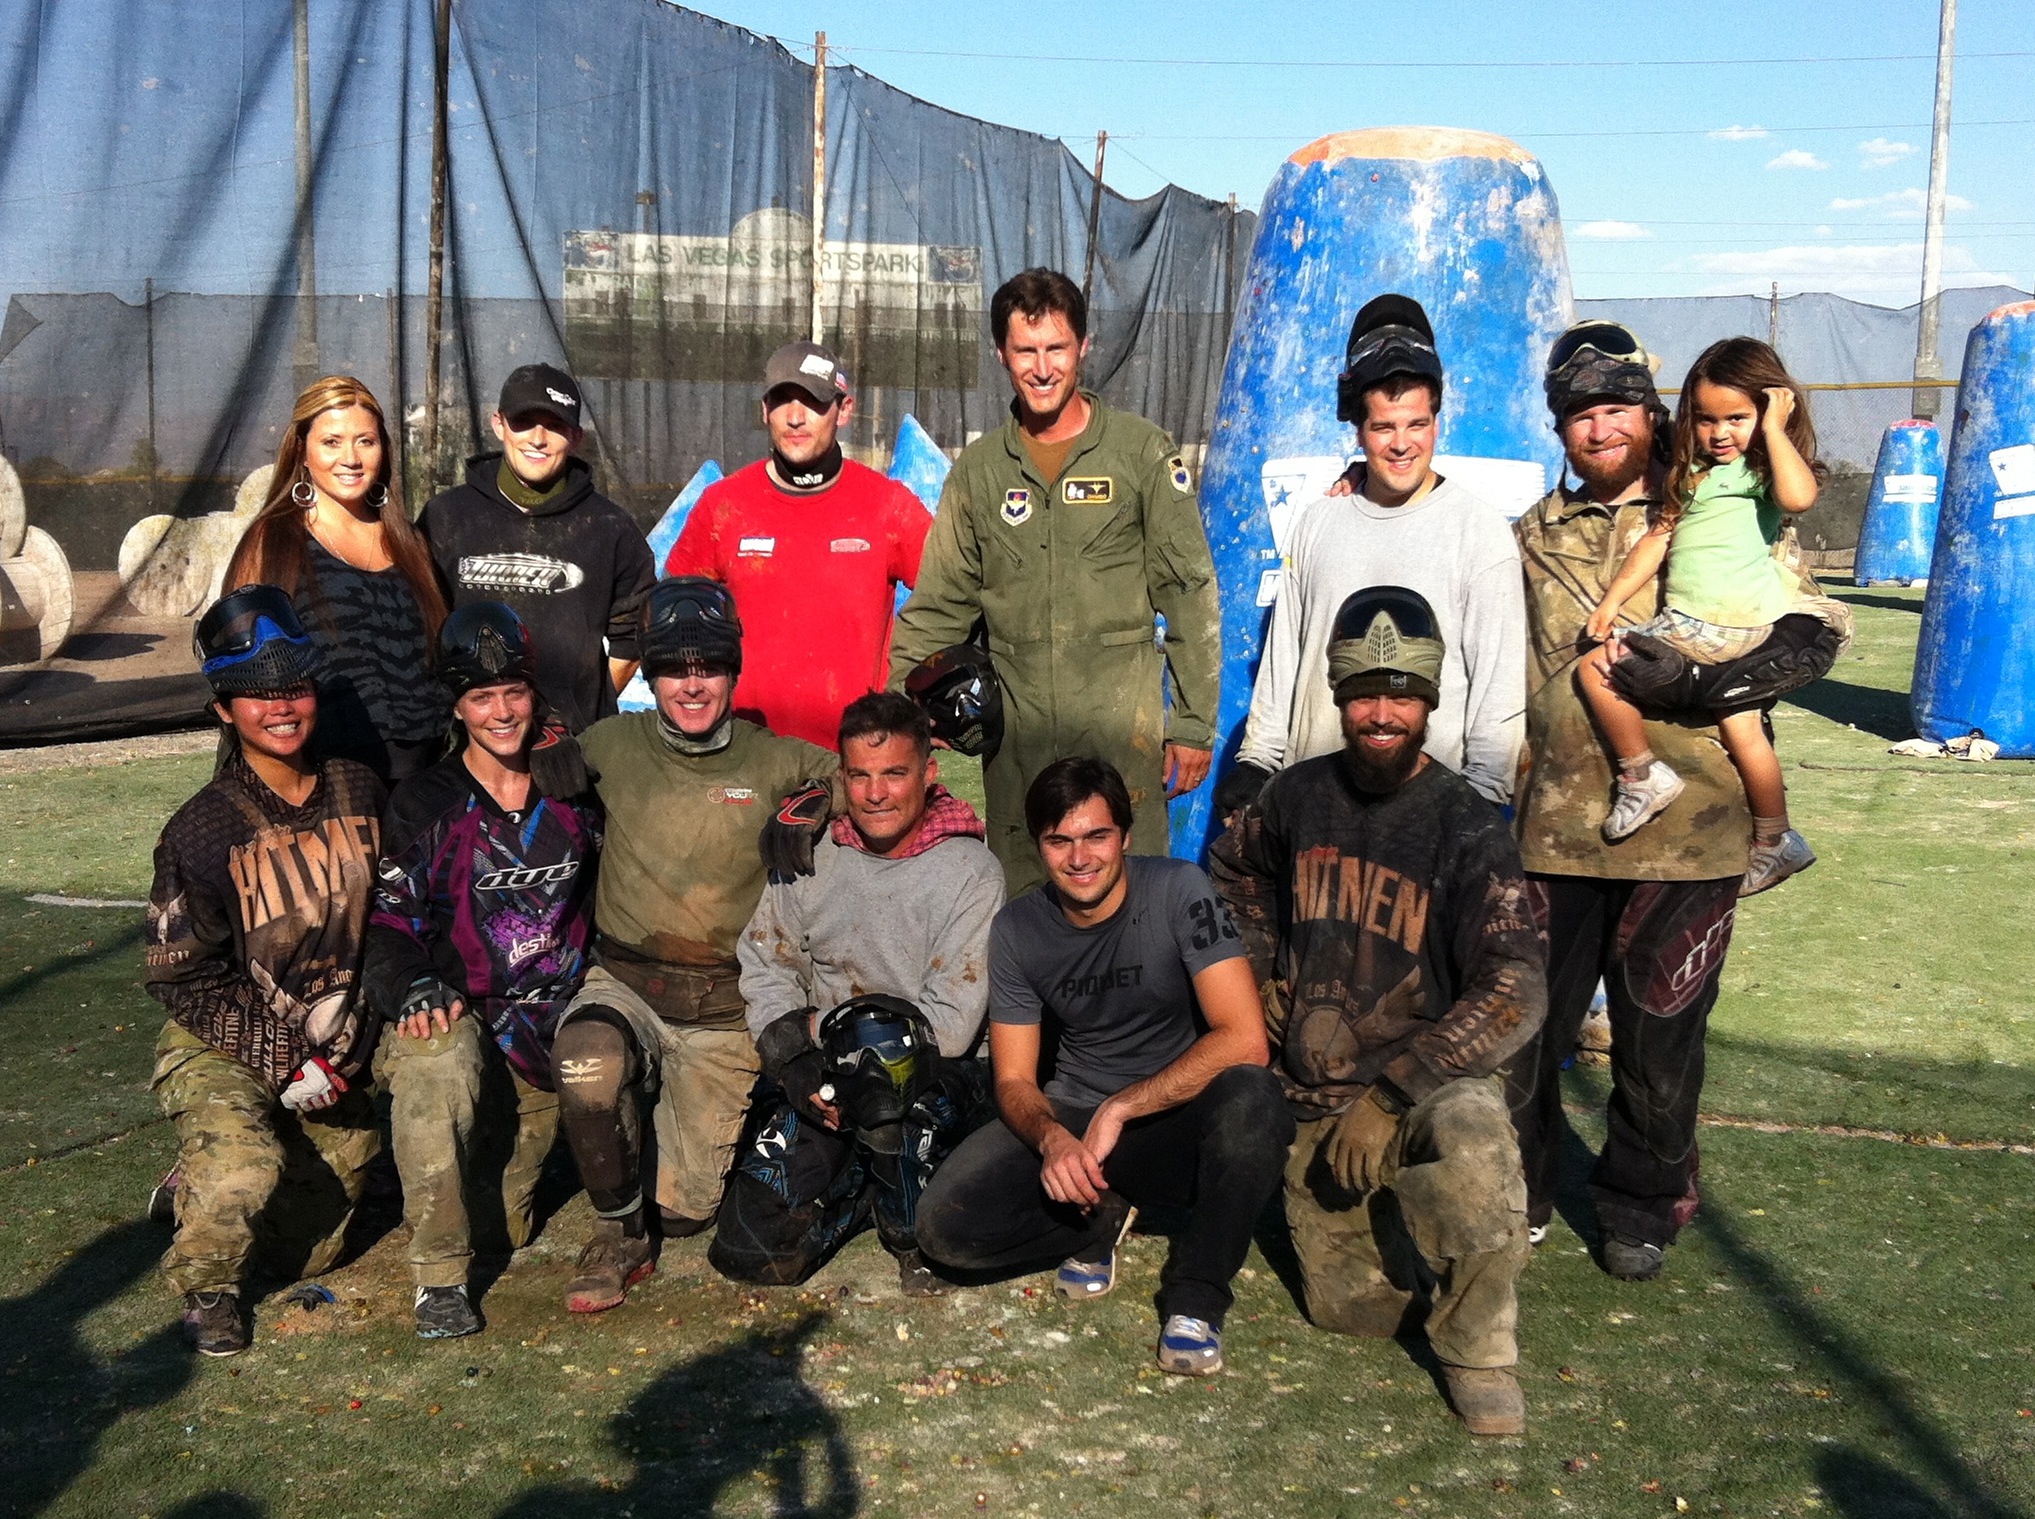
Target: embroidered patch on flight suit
1017, 506
1090, 490
1182, 481
849, 546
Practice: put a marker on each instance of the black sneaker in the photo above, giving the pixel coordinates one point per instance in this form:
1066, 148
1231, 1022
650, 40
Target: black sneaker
443, 1313
214, 1324
1633, 1260
915, 1278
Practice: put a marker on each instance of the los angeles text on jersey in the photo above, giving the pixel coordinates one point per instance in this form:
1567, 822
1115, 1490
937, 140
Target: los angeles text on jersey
1378, 899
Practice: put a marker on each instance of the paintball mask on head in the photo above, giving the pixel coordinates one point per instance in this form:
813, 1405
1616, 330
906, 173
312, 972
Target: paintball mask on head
690, 622
484, 644
1598, 361
1391, 336
962, 698
880, 1055
251, 643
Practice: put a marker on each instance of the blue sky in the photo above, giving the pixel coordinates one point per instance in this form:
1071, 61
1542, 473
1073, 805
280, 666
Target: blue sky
1695, 151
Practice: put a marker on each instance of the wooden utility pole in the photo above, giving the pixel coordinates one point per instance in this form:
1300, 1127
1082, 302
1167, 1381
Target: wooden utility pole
819, 176
434, 289
1928, 365
1094, 215
304, 358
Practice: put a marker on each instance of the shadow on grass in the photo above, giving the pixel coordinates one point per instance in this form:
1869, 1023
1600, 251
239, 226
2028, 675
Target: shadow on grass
61, 1397
125, 942
1862, 598
217, 1505
738, 1414
1860, 1486
1870, 709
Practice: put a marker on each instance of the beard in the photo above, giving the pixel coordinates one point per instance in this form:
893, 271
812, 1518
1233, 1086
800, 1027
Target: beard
1609, 474
1381, 771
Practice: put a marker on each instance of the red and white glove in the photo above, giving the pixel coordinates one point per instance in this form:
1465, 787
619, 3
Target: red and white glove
315, 1086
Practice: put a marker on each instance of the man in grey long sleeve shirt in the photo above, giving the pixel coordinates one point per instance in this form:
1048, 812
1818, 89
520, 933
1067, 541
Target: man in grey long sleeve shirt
1395, 522
899, 903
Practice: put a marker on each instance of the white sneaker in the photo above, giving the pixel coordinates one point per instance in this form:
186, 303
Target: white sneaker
1639, 802
1773, 863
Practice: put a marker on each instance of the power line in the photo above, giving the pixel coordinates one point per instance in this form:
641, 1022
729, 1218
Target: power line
1890, 126
1413, 64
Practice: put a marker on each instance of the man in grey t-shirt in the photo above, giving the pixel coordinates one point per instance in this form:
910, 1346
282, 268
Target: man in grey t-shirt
1159, 1094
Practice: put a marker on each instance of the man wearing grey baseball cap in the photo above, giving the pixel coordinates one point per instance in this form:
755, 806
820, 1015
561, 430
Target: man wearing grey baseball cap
805, 528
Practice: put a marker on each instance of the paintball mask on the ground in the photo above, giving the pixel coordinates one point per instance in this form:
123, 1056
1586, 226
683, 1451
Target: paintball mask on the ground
880, 1055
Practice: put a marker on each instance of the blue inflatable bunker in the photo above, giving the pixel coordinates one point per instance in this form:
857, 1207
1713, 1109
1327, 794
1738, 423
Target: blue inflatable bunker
1899, 532
1465, 223
1975, 667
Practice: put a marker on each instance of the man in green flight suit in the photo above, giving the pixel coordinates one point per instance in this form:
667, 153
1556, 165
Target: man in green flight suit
1064, 531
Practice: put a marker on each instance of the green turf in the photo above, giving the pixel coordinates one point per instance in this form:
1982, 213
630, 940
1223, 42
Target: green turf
1848, 1329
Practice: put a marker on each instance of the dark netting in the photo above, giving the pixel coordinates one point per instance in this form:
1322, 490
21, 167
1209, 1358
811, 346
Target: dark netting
187, 242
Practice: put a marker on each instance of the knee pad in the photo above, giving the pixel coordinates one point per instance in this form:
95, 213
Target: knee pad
594, 1059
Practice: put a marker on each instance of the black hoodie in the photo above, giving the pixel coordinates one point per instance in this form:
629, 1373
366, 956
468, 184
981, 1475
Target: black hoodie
575, 568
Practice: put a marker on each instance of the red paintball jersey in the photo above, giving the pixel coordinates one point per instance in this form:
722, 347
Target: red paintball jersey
814, 577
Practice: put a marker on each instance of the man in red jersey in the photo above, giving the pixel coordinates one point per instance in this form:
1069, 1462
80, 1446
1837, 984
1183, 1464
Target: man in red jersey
804, 529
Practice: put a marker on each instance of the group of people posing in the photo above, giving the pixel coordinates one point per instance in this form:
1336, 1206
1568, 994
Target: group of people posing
749, 954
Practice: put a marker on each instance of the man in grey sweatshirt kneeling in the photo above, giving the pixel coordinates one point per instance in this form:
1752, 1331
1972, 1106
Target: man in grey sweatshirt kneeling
852, 969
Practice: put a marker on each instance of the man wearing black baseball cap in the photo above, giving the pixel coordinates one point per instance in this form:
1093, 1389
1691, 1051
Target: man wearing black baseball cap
528, 528
801, 529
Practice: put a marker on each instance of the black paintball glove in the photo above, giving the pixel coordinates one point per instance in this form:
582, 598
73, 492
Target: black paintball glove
427, 994
786, 842
791, 1059
557, 767
1238, 789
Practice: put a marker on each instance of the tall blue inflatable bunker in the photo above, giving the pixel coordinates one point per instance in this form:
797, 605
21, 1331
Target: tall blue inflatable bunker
1975, 667
1465, 223
1899, 532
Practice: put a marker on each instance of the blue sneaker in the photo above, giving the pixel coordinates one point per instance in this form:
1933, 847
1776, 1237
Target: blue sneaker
1095, 1277
1190, 1347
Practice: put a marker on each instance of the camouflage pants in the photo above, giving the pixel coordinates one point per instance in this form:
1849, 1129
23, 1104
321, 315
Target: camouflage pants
1447, 1226
258, 1184
470, 1138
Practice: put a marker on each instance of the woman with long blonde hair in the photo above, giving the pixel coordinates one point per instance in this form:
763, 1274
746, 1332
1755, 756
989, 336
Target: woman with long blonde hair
335, 534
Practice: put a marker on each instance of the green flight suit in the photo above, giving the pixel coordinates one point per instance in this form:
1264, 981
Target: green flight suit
1067, 577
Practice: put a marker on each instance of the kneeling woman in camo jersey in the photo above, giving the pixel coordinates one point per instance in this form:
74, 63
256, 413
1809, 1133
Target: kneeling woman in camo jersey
263, 884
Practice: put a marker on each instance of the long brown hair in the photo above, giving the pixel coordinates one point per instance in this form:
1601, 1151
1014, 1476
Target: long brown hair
273, 550
1752, 368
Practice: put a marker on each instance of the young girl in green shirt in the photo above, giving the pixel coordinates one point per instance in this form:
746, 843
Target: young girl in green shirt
1744, 455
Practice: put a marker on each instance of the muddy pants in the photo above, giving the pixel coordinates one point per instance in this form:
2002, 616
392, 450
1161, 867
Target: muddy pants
613, 1056
258, 1185
1447, 1225
470, 1138
1659, 947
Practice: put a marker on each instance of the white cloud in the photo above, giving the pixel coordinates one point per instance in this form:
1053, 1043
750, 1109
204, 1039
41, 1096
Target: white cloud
1822, 231
1889, 273
1611, 232
1796, 158
1878, 152
1909, 202
1738, 134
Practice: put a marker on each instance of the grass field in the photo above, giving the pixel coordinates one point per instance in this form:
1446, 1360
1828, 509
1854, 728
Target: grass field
1847, 1329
